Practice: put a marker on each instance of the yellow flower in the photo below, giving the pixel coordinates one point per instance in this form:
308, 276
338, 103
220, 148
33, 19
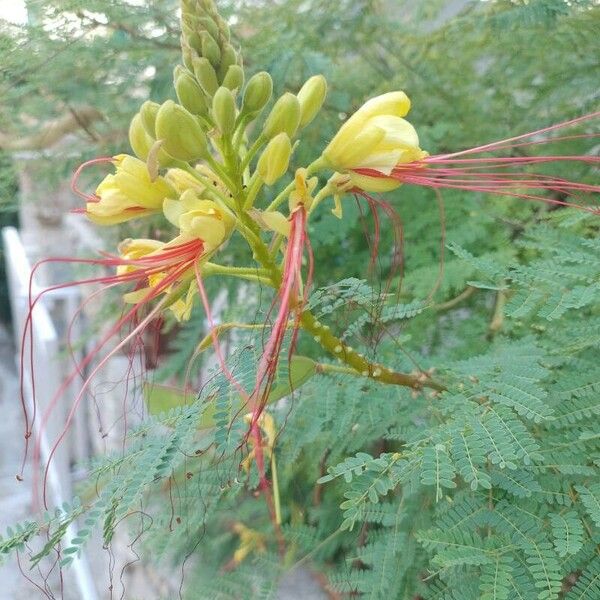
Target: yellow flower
375, 137
128, 193
199, 218
151, 259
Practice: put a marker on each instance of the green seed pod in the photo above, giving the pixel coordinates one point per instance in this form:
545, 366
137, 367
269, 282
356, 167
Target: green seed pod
148, 112
224, 111
210, 49
182, 136
284, 116
274, 161
189, 93
234, 79
311, 97
257, 93
206, 76
139, 140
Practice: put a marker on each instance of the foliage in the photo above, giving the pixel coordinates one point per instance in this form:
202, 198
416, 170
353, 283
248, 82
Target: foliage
485, 490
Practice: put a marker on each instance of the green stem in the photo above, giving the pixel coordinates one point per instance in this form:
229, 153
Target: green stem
260, 140
275, 480
210, 189
253, 189
281, 197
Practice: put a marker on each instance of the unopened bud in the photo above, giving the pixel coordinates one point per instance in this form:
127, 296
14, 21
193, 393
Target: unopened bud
234, 79
223, 26
206, 76
139, 140
210, 26
228, 58
187, 55
183, 137
257, 93
148, 112
210, 49
224, 111
189, 93
311, 97
284, 116
275, 159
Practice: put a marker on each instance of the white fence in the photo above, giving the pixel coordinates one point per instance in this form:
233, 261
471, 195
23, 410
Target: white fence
48, 372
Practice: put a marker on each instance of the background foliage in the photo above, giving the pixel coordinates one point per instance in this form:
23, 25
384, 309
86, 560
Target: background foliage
489, 490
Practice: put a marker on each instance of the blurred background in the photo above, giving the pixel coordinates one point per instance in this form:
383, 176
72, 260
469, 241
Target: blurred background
72, 74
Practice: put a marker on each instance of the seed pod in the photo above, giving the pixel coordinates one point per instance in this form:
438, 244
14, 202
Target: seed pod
148, 112
139, 140
224, 111
206, 76
234, 79
274, 161
284, 116
311, 97
189, 93
257, 93
183, 137
210, 49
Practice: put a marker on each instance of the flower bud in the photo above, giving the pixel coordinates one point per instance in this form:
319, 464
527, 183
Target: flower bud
224, 111
275, 159
187, 55
223, 26
183, 137
189, 93
234, 78
148, 112
210, 48
284, 116
139, 140
228, 58
311, 97
209, 25
257, 93
206, 76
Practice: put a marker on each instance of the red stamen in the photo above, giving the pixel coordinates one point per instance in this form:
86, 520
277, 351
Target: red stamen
502, 175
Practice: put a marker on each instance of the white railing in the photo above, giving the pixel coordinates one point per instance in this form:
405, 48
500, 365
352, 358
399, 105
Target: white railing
48, 372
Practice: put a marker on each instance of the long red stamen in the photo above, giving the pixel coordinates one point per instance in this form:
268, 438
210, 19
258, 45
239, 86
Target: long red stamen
506, 176
77, 174
172, 263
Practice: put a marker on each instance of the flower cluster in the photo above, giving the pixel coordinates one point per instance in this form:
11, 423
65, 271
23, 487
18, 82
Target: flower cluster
203, 164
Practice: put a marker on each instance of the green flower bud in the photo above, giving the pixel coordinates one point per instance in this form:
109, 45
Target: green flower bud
228, 58
234, 79
182, 136
274, 161
189, 93
139, 140
206, 76
257, 93
209, 25
210, 48
148, 112
224, 111
187, 55
223, 27
311, 97
284, 116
